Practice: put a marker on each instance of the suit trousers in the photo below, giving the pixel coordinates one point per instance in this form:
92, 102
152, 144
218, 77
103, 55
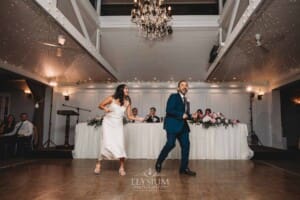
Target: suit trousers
183, 138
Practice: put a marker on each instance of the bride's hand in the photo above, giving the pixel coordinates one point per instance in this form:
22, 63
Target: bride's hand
141, 119
106, 110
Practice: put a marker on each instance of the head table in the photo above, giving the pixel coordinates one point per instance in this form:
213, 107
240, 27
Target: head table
145, 140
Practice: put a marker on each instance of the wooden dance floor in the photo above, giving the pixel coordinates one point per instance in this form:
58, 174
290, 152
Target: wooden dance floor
74, 179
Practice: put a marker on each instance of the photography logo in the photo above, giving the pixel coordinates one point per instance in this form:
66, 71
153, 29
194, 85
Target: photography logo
150, 180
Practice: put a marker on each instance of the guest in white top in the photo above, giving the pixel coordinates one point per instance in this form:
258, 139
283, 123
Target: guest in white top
24, 127
24, 134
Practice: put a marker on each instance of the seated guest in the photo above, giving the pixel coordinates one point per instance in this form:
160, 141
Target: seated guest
8, 124
198, 115
24, 127
208, 112
151, 117
24, 132
134, 113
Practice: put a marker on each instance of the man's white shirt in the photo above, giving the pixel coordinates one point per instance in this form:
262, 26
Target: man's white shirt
25, 130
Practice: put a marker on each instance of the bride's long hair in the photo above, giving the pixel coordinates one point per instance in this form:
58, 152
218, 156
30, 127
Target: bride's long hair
119, 94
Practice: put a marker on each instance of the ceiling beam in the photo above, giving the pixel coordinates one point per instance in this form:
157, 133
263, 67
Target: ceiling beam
50, 7
19, 70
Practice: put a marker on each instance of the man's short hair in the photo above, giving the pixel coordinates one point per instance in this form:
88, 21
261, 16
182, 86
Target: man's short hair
23, 114
153, 108
181, 81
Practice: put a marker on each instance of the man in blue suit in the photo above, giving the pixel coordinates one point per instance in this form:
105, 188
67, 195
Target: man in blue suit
177, 113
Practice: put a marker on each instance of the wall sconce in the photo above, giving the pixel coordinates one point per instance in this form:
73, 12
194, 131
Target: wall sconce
66, 95
296, 100
27, 93
260, 94
259, 97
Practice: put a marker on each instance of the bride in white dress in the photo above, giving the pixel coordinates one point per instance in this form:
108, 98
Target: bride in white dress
112, 146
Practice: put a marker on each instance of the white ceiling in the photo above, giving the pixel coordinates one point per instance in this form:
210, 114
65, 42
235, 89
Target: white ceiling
183, 55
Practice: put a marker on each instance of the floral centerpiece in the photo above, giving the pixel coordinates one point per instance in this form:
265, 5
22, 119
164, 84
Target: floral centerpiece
213, 120
97, 121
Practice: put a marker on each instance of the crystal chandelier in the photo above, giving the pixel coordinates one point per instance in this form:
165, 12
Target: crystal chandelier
152, 18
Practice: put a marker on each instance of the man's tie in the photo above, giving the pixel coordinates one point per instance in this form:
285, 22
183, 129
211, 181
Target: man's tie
17, 131
186, 105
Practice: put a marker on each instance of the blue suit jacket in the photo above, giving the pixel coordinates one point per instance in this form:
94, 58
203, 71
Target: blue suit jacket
175, 109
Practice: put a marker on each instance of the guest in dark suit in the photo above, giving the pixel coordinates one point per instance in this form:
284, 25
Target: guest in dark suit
151, 117
176, 126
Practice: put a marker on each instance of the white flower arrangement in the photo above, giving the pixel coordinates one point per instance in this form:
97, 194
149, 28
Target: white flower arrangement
213, 120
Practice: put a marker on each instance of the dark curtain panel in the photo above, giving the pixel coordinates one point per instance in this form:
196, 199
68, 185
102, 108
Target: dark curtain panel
38, 91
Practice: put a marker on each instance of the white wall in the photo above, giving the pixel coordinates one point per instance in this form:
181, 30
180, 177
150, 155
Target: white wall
234, 103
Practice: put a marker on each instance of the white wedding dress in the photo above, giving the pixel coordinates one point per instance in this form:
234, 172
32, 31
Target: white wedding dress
112, 145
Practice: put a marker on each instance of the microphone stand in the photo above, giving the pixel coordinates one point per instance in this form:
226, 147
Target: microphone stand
78, 109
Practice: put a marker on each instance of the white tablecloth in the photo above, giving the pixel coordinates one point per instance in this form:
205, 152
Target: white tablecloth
145, 140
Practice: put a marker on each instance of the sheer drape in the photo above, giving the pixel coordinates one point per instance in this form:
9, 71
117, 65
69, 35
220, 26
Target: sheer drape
38, 93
